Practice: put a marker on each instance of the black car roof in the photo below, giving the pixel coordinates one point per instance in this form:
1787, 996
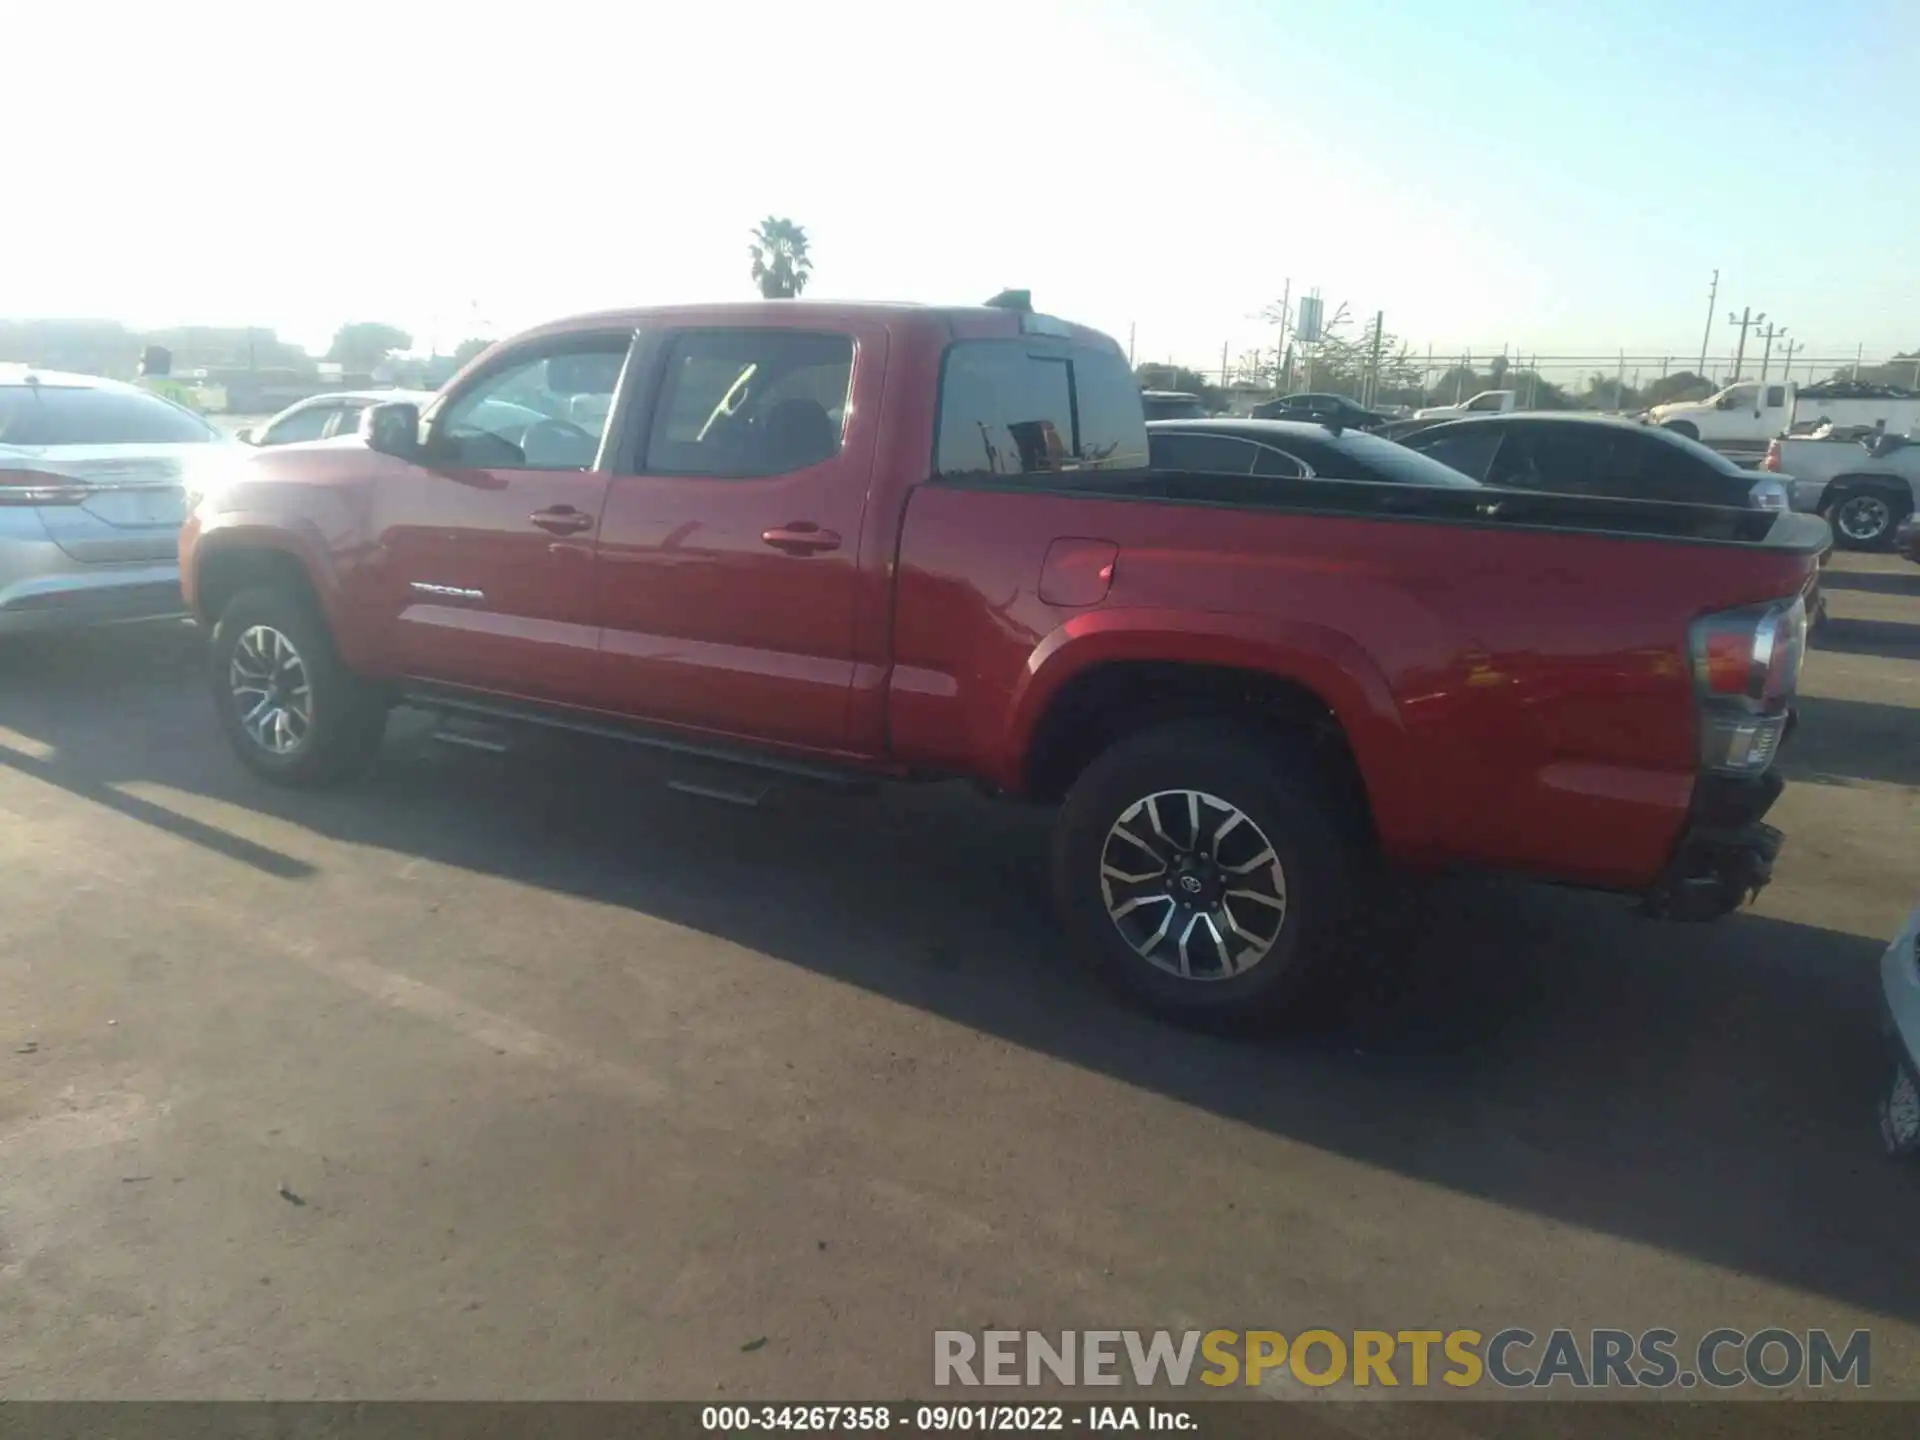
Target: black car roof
1660, 436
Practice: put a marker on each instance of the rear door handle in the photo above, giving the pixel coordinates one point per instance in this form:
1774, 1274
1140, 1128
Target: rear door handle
803, 537
562, 520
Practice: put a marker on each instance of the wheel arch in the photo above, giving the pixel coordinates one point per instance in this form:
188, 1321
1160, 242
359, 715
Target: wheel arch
1895, 487
1091, 686
235, 557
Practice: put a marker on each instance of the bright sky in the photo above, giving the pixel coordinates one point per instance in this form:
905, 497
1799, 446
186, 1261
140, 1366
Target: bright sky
1562, 177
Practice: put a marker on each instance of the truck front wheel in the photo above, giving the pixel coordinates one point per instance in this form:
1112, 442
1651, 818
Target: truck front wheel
293, 712
1204, 872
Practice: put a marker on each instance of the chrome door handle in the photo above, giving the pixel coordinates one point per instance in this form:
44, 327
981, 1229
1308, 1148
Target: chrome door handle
802, 537
562, 520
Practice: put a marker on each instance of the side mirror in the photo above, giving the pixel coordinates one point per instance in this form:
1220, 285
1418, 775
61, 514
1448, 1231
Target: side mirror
245, 436
392, 429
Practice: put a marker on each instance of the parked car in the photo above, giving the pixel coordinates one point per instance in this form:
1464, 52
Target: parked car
1295, 449
1594, 455
322, 417
92, 495
1316, 406
1171, 405
1900, 1023
1752, 413
953, 559
1865, 486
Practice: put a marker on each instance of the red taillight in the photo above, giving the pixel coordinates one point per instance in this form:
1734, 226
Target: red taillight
34, 487
1729, 661
1772, 462
1746, 666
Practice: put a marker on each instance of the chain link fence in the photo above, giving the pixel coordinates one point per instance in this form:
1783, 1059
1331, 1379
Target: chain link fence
1591, 379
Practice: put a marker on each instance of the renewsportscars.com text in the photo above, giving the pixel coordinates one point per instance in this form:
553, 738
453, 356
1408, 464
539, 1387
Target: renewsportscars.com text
1515, 1358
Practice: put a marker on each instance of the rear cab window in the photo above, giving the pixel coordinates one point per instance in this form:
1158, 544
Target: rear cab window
1037, 406
42, 415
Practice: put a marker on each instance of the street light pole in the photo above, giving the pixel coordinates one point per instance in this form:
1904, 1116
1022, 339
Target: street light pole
1706, 338
1766, 357
1792, 347
1744, 319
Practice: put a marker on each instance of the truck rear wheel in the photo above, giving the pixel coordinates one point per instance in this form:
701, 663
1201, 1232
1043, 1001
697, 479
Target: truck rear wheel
293, 712
1863, 518
1202, 873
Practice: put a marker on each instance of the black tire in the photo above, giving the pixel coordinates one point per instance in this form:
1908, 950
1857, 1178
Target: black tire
347, 715
1683, 427
1313, 834
1889, 507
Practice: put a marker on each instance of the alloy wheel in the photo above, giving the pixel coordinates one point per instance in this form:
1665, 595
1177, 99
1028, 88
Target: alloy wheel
270, 690
1863, 518
1193, 885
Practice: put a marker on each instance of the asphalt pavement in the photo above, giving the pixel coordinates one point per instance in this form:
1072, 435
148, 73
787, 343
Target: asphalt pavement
522, 1076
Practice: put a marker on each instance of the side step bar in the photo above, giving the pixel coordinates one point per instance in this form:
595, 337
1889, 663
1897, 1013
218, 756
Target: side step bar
715, 771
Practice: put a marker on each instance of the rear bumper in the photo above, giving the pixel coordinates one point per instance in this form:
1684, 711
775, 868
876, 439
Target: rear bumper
1726, 852
43, 588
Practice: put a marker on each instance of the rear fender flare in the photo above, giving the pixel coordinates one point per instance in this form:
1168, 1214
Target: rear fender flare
1325, 661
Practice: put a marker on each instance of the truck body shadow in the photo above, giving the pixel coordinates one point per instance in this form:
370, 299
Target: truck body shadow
1706, 1090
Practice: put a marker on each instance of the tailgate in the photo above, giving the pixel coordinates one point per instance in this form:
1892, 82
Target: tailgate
131, 505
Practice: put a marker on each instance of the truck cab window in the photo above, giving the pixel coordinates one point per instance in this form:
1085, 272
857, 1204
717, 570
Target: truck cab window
1489, 401
743, 403
1776, 396
1007, 408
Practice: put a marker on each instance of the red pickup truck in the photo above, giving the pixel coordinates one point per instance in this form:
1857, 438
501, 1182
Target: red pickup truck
838, 541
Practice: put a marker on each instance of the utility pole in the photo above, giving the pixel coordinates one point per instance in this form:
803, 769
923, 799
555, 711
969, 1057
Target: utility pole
1281, 379
1373, 365
1223, 363
1713, 299
1130, 345
1745, 319
1769, 334
1791, 348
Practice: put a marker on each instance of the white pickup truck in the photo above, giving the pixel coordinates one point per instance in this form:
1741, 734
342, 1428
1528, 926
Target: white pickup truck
1865, 485
1753, 413
1487, 402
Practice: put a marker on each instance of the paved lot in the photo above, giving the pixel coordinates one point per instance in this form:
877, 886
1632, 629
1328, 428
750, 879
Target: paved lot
585, 1088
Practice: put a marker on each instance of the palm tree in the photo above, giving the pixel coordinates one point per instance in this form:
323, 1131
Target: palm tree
780, 261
